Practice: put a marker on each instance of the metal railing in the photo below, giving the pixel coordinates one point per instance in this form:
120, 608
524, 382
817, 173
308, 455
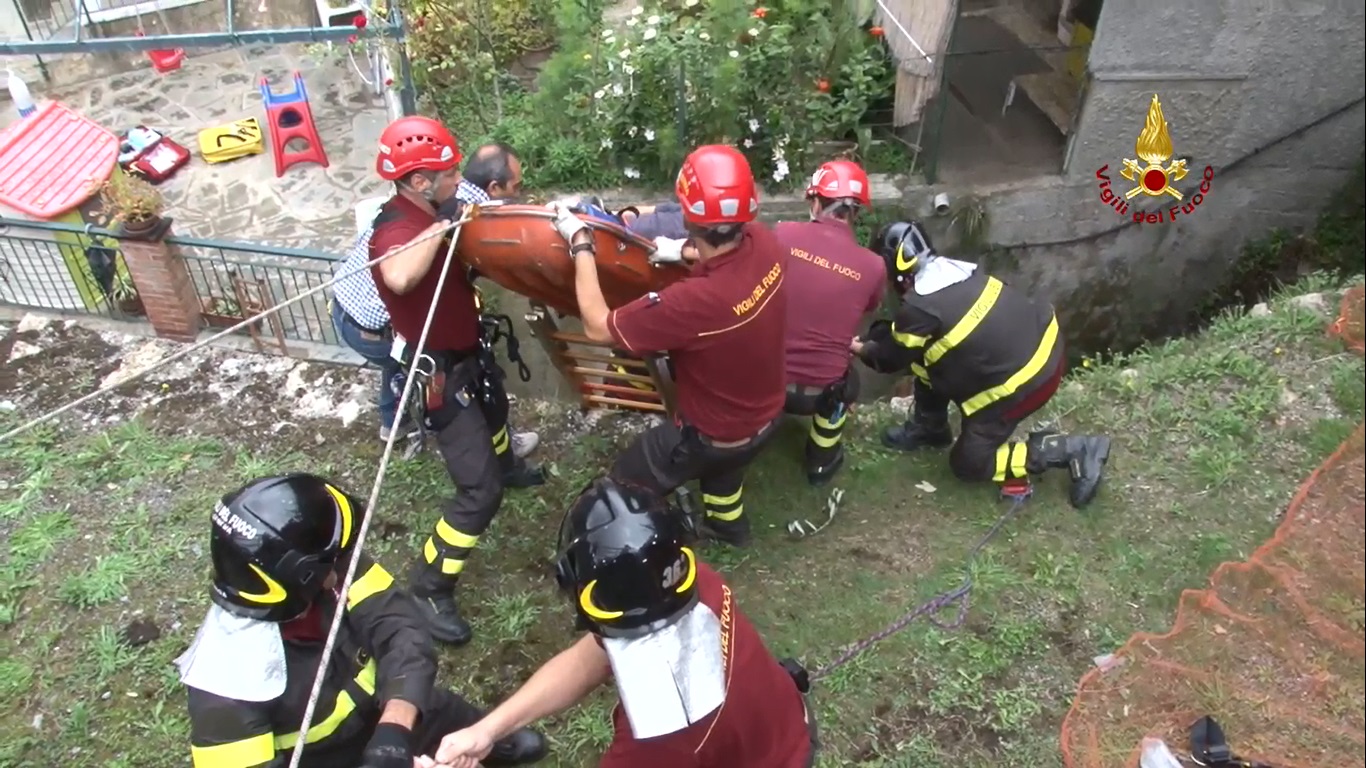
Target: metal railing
78, 269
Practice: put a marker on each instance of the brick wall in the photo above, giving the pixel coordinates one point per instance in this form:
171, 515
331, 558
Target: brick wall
163, 283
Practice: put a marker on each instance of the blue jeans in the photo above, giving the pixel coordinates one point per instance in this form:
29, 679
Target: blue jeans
374, 347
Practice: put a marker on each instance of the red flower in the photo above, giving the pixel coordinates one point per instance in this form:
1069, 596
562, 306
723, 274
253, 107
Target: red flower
875, 31
759, 13
389, 81
421, 20
823, 85
359, 22
352, 39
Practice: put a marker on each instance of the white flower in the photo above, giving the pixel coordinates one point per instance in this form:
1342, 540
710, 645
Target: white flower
630, 173
628, 69
625, 53
631, 22
753, 32
636, 11
782, 142
704, 36
632, 131
753, 125
607, 143
649, 134
653, 21
617, 90
607, 34
748, 143
650, 34
779, 173
690, 3
601, 92
734, 54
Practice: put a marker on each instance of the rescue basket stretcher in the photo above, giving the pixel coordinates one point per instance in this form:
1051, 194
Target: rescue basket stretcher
519, 248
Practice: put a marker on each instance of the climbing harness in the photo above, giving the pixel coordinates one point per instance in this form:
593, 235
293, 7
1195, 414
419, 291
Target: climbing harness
259, 316
931, 608
370, 506
498, 328
800, 529
1209, 747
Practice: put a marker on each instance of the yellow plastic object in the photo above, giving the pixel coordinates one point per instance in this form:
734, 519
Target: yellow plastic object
229, 142
1080, 52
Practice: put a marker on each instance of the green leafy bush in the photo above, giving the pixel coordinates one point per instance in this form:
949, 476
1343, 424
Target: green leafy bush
625, 103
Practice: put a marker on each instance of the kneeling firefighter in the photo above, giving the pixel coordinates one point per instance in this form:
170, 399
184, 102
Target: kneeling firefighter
697, 687
972, 340
280, 546
832, 283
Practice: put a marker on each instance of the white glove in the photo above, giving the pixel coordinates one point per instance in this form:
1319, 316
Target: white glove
567, 222
667, 251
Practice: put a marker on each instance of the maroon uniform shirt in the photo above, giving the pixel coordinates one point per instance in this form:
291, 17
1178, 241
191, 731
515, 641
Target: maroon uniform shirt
831, 283
455, 327
723, 329
761, 723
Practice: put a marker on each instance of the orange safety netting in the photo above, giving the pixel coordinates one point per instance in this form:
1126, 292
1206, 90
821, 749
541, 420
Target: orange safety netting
1274, 649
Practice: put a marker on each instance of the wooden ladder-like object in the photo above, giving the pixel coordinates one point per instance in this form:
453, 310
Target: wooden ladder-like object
602, 377
254, 297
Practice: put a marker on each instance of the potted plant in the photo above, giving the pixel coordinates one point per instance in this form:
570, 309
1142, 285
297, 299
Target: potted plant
125, 295
129, 204
220, 311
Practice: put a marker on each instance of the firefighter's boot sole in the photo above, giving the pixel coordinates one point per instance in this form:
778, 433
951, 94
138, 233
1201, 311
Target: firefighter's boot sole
523, 747
1086, 466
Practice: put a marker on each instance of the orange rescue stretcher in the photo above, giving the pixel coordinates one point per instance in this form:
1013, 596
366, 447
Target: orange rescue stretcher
518, 247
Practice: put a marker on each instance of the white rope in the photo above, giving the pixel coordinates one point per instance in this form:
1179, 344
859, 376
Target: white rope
371, 505
50, 415
897, 23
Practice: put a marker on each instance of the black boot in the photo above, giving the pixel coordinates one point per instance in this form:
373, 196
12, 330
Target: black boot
919, 432
523, 475
819, 476
521, 747
435, 595
735, 533
1084, 457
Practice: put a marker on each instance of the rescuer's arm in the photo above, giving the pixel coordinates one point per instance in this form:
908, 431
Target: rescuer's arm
391, 630
414, 249
558, 685
230, 734
588, 293
911, 329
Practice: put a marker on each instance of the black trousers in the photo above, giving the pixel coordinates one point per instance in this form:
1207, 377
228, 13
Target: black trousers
447, 712
983, 450
828, 408
665, 457
472, 437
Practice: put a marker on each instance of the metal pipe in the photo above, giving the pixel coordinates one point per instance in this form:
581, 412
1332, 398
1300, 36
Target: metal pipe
197, 40
194, 242
232, 23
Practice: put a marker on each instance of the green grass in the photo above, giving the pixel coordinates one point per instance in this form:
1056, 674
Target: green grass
1212, 436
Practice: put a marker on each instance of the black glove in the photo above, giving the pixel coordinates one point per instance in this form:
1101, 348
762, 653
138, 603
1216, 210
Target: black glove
451, 210
389, 747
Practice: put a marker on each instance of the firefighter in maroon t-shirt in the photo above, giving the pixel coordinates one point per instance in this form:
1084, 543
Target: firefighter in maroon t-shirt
464, 403
697, 687
722, 327
832, 282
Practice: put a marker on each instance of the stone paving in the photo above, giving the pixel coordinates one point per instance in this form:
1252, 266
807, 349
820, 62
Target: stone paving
242, 200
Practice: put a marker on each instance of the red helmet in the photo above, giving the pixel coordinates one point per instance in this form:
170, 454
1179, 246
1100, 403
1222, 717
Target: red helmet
415, 143
715, 186
839, 179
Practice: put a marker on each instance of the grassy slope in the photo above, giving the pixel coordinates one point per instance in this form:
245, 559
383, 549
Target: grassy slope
1212, 436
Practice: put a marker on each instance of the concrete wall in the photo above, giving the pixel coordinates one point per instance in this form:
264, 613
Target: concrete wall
1234, 77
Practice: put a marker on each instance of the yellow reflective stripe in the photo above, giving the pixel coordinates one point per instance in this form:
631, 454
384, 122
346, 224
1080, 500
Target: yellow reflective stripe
824, 423
501, 441
730, 516
1019, 378
449, 566
821, 441
920, 372
1018, 453
1002, 462
256, 750
374, 581
968, 323
722, 501
344, 707
453, 537
909, 340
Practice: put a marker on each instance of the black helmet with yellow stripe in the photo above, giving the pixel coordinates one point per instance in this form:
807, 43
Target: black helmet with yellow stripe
624, 560
905, 246
275, 542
